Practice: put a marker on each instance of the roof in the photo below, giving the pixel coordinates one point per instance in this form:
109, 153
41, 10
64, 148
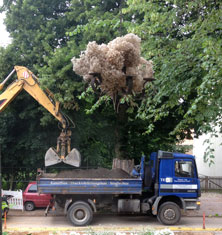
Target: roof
183, 155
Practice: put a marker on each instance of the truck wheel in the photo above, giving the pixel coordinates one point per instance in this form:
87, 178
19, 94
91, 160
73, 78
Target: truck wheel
169, 213
29, 206
80, 213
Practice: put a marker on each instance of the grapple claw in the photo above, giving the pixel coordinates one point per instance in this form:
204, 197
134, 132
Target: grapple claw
52, 157
73, 158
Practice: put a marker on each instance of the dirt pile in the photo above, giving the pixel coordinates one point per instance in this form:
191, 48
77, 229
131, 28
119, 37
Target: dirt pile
116, 68
100, 173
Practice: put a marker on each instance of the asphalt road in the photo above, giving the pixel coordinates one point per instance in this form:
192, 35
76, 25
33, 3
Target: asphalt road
109, 221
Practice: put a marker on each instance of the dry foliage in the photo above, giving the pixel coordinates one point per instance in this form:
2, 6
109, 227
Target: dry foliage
117, 68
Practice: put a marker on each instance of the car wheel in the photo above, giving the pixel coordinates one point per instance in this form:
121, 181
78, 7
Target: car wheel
29, 206
80, 213
169, 213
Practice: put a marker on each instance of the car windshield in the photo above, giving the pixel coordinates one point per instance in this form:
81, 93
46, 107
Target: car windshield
33, 188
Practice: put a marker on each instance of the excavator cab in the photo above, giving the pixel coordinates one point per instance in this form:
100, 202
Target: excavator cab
29, 82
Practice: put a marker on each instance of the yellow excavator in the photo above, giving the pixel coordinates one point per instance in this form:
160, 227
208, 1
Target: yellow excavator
29, 82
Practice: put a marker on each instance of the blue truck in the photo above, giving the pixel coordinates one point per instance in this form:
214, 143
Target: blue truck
164, 187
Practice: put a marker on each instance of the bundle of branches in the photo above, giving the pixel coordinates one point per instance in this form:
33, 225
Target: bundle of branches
116, 68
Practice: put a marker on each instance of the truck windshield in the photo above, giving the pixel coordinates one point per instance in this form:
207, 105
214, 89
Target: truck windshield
184, 169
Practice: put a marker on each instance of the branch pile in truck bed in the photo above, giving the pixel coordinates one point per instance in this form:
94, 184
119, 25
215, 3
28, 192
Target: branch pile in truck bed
116, 68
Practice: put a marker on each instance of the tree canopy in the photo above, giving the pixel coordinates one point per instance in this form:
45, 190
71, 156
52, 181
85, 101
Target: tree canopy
182, 38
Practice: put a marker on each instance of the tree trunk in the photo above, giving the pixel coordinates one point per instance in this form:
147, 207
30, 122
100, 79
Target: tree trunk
11, 181
121, 133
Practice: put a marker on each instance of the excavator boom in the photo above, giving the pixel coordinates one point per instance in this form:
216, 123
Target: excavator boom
27, 81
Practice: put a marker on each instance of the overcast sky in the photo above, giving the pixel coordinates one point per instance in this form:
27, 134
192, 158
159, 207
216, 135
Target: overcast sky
4, 36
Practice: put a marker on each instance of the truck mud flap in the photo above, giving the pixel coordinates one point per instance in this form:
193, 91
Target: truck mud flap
155, 205
67, 204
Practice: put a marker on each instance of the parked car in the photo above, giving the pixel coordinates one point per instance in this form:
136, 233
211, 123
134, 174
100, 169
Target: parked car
32, 199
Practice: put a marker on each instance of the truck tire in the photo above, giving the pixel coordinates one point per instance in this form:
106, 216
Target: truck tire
169, 213
29, 206
80, 213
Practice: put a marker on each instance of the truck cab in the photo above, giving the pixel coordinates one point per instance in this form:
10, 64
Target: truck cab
175, 184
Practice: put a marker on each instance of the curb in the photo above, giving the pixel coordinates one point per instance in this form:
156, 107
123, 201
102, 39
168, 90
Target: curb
107, 228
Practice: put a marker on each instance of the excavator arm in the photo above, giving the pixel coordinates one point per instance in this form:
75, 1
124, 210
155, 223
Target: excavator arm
27, 81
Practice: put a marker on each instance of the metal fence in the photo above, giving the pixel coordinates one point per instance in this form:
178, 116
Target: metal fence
210, 183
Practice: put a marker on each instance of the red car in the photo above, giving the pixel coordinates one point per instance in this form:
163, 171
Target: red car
32, 199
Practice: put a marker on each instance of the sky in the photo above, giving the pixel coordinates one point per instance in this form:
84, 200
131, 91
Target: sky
4, 36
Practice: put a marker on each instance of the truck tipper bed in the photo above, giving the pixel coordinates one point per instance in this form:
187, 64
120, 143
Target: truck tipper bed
49, 183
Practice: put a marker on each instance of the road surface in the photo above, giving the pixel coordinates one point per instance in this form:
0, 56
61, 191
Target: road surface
108, 222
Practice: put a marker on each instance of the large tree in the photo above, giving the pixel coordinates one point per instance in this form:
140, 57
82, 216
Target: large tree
182, 38
114, 22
